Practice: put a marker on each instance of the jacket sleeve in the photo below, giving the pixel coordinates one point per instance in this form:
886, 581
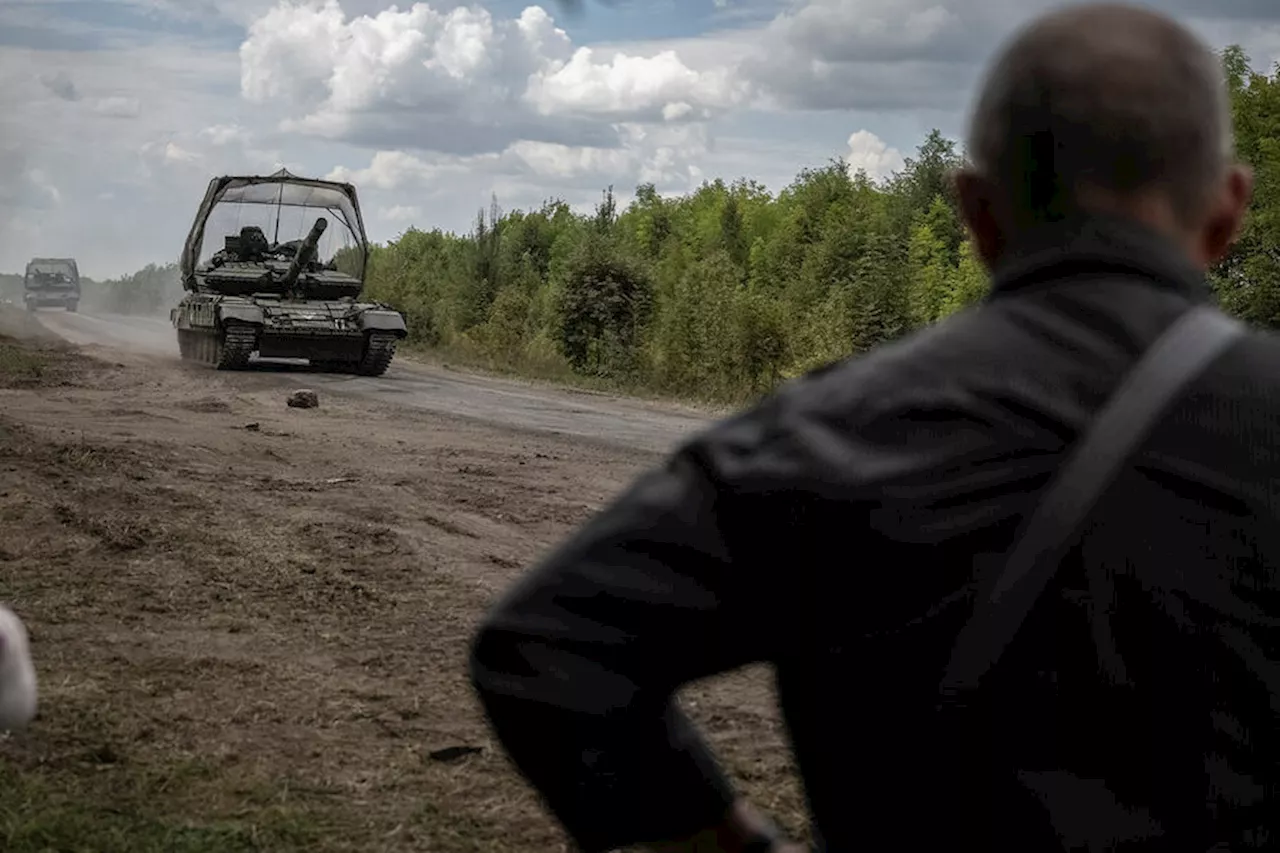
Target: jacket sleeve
577, 665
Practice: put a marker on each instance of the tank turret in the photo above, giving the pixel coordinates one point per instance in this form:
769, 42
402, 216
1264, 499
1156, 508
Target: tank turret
305, 253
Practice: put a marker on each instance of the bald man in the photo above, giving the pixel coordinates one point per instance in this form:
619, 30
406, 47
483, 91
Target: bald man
1014, 573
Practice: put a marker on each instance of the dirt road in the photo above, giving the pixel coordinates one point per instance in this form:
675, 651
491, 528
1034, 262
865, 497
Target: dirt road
251, 621
614, 420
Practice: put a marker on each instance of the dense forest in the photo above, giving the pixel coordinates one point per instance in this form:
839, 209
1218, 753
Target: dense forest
726, 291
721, 293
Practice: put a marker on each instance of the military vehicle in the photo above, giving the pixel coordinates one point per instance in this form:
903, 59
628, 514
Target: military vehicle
51, 282
292, 299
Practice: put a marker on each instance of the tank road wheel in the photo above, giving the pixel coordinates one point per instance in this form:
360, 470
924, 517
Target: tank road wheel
234, 347
73, 307
378, 352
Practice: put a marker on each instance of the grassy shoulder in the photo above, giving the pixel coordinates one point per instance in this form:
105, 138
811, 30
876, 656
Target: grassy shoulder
31, 356
551, 371
98, 798
20, 365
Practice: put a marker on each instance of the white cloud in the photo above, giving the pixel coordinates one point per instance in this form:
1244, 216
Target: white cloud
486, 82
225, 134
177, 154
181, 155
551, 160
393, 170
633, 86
658, 154
648, 158
869, 153
400, 213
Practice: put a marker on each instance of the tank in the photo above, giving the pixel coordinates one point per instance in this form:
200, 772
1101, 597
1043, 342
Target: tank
51, 283
295, 298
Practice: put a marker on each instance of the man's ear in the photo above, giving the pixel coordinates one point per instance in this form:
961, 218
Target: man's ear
1226, 218
979, 209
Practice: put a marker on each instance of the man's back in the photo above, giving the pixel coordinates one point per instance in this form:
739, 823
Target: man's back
1143, 678
841, 528
839, 531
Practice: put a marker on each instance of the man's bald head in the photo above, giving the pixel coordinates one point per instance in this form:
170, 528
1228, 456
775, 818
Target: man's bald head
1103, 100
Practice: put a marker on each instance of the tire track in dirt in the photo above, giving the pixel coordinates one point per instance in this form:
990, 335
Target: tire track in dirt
618, 421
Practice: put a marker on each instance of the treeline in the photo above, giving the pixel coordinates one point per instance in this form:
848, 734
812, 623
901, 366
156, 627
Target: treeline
151, 291
726, 291
721, 293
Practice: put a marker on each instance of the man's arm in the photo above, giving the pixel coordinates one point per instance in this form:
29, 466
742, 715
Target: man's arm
577, 665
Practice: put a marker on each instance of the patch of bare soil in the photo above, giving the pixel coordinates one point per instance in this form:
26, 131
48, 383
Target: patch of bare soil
251, 621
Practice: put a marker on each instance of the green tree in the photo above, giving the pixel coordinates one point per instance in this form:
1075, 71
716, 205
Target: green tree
1248, 279
931, 271
969, 282
605, 301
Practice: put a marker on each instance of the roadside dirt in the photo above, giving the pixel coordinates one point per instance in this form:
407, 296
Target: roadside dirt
503, 401
250, 621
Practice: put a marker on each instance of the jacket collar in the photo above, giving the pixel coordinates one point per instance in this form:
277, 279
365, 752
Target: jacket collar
1093, 247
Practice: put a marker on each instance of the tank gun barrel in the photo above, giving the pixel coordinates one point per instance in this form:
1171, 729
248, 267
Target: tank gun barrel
305, 251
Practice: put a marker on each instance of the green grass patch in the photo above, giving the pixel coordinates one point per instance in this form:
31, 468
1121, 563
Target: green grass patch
108, 808
22, 366
553, 371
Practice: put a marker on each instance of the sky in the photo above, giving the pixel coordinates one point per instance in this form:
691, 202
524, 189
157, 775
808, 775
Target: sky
115, 114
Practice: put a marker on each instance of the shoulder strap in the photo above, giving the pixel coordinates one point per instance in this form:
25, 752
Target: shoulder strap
1172, 362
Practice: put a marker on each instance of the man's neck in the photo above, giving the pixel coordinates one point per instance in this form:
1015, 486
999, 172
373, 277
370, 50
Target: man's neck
1046, 234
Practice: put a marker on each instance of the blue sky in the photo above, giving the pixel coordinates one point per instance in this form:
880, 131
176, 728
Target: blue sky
117, 112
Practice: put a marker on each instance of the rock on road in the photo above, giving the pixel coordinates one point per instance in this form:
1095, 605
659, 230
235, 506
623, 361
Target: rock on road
618, 421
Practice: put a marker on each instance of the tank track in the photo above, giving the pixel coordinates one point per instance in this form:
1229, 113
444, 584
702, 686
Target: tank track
377, 355
238, 343
230, 351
